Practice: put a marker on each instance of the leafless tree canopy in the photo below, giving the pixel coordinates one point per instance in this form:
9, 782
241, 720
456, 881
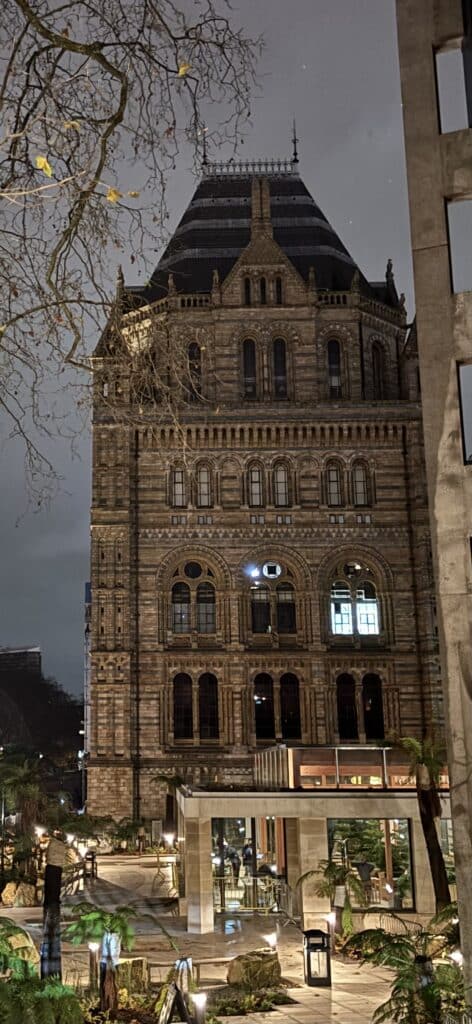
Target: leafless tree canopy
97, 101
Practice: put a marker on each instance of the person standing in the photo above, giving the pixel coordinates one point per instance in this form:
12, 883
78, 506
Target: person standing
56, 856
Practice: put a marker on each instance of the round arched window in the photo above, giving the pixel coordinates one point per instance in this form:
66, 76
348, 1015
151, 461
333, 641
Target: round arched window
193, 570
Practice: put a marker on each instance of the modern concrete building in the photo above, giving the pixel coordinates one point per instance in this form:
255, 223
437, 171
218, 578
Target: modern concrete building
435, 47
261, 568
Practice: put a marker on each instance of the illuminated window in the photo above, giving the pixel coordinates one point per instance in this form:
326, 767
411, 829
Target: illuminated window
341, 609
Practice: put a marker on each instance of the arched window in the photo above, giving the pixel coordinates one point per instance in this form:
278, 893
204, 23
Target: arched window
255, 486
208, 707
360, 484
372, 703
194, 390
334, 369
347, 712
178, 497
367, 609
290, 721
183, 712
281, 486
249, 368
263, 291
264, 707
203, 487
354, 603
206, 620
378, 371
280, 367
180, 608
278, 291
247, 291
260, 609
286, 613
334, 494
341, 609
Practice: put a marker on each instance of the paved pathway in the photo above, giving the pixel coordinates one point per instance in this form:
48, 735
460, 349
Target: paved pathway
355, 991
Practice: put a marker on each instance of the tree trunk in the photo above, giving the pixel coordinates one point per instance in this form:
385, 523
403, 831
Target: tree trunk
428, 803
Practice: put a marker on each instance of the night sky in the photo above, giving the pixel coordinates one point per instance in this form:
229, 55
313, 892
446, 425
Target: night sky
333, 64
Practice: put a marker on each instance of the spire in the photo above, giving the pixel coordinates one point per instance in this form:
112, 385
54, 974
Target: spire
295, 141
111, 344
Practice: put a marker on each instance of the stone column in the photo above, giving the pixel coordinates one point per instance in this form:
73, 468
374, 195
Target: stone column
313, 848
198, 875
423, 884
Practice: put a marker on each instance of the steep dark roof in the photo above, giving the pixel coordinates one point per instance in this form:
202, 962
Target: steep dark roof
216, 226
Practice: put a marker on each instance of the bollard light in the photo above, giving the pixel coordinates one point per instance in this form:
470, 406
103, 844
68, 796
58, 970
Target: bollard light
200, 1000
316, 958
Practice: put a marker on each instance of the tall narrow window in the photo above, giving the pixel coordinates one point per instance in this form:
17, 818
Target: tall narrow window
247, 291
347, 712
178, 497
260, 609
249, 368
372, 703
280, 367
333, 484
264, 707
286, 615
183, 713
208, 707
341, 609
290, 707
206, 621
263, 291
378, 371
360, 489
203, 487
255, 493
367, 609
334, 369
194, 390
278, 291
281, 491
180, 608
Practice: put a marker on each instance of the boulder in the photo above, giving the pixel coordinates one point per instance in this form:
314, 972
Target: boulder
25, 895
8, 894
255, 970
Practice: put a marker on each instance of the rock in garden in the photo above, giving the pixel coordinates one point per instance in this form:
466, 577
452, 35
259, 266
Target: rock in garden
255, 970
8, 894
25, 895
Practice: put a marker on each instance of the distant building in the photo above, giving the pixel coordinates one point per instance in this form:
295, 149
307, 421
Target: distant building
36, 713
261, 565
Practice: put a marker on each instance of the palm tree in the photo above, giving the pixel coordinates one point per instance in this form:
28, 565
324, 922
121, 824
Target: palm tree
20, 780
427, 759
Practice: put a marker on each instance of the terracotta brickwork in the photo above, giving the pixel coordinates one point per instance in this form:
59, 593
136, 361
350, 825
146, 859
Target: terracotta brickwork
238, 516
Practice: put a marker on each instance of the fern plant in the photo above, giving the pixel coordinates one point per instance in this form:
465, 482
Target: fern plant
31, 1001
18, 954
423, 989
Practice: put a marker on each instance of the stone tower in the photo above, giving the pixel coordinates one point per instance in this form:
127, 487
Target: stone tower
261, 568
